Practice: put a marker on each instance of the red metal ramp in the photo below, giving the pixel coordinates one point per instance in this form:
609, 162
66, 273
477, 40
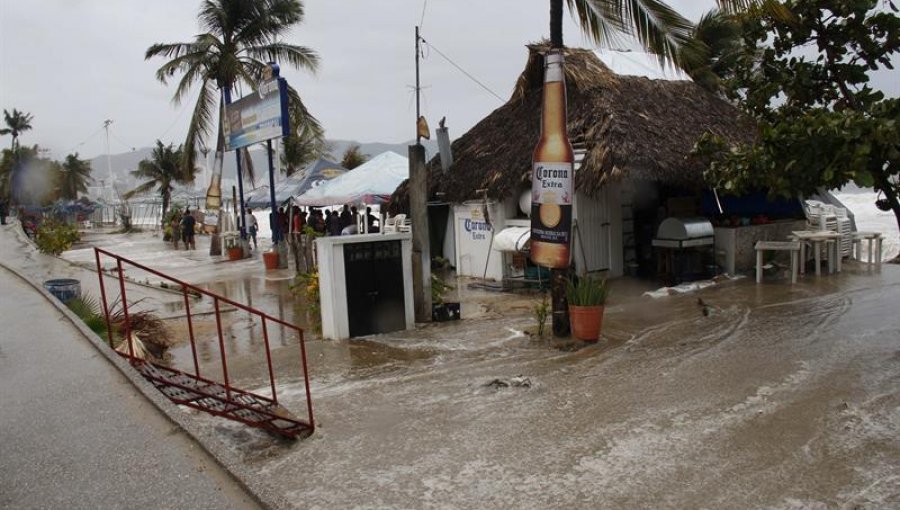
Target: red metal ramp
192, 389
209, 396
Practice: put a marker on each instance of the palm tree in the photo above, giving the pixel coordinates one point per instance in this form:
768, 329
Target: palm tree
299, 150
17, 122
712, 50
74, 176
353, 157
655, 25
240, 38
162, 171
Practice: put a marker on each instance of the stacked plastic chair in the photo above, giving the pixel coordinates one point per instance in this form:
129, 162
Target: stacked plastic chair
822, 216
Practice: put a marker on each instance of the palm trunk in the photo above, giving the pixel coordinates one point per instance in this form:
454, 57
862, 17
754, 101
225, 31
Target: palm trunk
556, 18
559, 304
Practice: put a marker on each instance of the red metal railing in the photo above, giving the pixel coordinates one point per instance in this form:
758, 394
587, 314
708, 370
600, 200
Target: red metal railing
200, 392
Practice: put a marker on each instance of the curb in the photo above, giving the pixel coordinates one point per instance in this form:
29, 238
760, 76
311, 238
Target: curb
261, 492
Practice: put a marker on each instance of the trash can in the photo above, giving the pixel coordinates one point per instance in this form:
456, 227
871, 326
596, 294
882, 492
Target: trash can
65, 289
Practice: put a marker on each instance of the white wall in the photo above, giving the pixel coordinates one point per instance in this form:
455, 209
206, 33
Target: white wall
473, 238
597, 240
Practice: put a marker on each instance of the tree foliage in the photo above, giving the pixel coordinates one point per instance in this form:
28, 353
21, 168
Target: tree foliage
353, 157
806, 81
16, 123
240, 37
162, 171
74, 176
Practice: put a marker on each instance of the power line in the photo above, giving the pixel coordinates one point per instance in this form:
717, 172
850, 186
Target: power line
85, 140
454, 64
422, 19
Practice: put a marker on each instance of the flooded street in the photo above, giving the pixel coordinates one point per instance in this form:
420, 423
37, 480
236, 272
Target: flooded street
779, 396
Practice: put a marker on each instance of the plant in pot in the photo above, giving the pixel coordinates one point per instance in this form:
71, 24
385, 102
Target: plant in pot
233, 247
587, 297
442, 310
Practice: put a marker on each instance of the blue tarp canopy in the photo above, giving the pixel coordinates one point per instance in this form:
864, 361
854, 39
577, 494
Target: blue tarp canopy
315, 174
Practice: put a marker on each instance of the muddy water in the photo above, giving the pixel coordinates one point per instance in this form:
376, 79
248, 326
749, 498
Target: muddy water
778, 396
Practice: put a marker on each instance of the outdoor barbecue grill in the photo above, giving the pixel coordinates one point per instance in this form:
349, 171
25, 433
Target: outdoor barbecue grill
684, 249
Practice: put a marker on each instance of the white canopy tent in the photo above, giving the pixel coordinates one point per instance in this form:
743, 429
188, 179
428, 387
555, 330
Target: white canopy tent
373, 182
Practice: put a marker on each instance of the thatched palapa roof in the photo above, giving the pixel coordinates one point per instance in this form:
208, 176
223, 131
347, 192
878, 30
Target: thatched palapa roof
630, 126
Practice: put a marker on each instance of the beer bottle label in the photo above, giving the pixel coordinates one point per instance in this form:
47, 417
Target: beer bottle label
551, 202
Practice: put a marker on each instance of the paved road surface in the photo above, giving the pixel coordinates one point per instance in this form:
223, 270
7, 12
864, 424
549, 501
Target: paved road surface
75, 433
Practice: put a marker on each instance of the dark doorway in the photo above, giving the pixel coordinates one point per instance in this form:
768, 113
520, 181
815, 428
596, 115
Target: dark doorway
375, 298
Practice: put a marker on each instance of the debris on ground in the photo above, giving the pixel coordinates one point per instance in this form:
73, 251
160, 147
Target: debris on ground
515, 382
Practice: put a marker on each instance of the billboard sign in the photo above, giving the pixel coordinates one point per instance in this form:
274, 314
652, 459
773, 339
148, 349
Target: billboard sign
261, 116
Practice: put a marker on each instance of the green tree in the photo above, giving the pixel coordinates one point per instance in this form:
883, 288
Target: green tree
162, 171
353, 157
712, 50
74, 176
26, 177
16, 123
240, 37
301, 150
821, 124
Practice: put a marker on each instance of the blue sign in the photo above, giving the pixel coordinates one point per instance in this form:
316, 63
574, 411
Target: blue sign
261, 116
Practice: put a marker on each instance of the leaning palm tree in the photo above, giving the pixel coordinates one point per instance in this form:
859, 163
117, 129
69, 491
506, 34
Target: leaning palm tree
240, 38
74, 176
16, 123
162, 171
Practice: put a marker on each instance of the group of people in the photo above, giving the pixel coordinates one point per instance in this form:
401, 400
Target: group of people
332, 223
345, 222
183, 226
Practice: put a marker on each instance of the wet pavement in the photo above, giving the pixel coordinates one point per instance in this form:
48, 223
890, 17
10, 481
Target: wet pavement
778, 396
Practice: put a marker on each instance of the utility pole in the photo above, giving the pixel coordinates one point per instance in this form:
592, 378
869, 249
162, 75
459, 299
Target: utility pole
106, 124
418, 208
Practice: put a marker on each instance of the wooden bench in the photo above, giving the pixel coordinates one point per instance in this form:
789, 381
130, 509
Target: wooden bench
792, 246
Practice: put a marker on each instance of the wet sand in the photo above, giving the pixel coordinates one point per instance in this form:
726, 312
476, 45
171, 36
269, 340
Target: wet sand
781, 396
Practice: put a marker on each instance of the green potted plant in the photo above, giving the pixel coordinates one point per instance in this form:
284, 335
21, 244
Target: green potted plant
587, 297
233, 246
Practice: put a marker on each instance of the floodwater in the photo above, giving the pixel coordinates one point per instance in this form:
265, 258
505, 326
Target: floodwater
763, 396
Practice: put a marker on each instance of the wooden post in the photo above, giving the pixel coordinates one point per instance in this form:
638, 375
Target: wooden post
421, 252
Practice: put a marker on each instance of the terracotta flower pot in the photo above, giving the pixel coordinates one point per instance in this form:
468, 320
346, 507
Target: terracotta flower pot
270, 259
586, 322
235, 253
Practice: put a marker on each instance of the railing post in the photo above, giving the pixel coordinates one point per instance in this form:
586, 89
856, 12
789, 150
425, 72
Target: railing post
187, 310
222, 347
312, 422
128, 334
109, 334
269, 359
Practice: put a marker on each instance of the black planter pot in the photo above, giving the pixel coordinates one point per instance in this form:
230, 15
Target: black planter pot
445, 312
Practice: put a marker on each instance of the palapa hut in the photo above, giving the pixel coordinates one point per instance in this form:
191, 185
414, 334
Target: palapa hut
633, 137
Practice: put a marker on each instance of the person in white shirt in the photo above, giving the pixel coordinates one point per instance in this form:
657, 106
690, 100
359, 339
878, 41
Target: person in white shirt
251, 225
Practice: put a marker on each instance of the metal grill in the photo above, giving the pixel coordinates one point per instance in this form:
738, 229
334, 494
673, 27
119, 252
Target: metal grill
680, 233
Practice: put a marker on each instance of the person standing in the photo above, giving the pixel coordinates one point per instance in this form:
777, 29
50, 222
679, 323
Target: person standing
175, 227
187, 229
252, 226
346, 219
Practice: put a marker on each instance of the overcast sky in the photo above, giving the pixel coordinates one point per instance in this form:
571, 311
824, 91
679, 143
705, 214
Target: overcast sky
74, 63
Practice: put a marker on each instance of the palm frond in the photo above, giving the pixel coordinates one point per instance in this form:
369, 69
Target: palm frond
300, 57
201, 122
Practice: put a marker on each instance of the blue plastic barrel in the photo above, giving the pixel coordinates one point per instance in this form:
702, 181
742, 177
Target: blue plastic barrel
64, 289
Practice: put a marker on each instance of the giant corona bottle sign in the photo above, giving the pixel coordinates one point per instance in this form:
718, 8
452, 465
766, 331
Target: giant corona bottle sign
552, 173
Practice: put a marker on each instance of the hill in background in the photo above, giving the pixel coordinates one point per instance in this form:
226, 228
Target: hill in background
123, 163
